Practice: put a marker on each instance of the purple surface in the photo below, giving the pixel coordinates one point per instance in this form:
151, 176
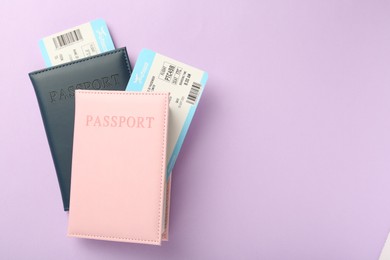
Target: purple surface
288, 154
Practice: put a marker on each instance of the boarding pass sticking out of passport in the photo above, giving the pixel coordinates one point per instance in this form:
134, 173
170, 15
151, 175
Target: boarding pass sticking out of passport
155, 72
76, 43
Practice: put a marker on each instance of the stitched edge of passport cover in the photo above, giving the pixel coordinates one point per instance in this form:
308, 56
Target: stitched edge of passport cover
87, 59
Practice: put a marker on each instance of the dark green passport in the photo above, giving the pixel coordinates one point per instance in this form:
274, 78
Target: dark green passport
55, 90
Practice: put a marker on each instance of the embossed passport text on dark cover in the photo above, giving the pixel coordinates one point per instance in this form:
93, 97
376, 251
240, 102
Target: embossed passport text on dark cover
119, 166
55, 90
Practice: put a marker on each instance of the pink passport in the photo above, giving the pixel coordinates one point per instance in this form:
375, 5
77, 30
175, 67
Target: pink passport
119, 186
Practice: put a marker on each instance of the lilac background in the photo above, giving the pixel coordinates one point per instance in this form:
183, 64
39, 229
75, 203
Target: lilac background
288, 154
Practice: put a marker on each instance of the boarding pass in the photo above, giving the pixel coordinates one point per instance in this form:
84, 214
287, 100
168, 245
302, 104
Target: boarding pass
155, 72
76, 43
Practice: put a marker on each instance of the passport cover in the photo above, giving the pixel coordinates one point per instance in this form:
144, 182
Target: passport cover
55, 88
119, 166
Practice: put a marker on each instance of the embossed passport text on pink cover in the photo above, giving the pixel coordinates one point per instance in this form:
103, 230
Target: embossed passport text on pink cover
119, 166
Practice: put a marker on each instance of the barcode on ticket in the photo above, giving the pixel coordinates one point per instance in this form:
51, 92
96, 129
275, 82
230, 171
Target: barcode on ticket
194, 92
67, 38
